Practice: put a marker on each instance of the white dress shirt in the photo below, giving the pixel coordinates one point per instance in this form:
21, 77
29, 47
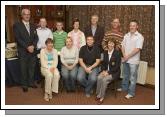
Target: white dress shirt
27, 25
130, 42
43, 35
109, 57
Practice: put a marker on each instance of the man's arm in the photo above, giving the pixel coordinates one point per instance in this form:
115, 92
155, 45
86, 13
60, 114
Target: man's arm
95, 64
134, 52
123, 51
18, 37
35, 39
82, 63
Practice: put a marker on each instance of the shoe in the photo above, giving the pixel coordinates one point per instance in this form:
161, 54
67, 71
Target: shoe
50, 96
128, 96
25, 89
46, 97
97, 98
87, 95
100, 102
120, 89
33, 86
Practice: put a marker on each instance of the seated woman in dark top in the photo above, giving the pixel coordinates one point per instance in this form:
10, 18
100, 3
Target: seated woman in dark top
89, 59
110, 70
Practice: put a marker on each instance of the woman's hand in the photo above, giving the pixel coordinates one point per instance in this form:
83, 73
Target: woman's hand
106, 74
52, 69
102, 73
70, 67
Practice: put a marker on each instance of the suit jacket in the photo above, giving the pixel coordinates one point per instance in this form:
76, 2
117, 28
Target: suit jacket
114, 63
99, 35
24, 39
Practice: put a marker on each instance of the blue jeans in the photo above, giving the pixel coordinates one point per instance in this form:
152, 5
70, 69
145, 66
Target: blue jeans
130, 73
69, 77
87, 80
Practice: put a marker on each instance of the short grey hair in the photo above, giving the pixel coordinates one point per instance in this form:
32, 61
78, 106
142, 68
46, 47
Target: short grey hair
23, 10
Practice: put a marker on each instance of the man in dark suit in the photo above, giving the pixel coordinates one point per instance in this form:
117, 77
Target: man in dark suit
96, 31
26, 38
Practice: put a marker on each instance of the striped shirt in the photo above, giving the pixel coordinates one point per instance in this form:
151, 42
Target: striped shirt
59, 39
117, 35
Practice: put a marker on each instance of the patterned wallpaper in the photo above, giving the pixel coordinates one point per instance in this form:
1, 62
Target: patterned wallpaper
144, 14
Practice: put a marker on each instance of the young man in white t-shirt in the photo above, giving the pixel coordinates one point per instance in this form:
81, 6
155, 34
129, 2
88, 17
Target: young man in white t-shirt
131, 46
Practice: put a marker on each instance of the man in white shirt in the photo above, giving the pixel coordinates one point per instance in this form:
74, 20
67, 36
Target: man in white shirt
131, 46
43, 34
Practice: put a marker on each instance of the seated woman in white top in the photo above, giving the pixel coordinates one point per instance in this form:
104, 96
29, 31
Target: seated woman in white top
49, 61
69, 58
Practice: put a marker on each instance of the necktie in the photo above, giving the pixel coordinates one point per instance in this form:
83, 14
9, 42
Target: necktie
28, 28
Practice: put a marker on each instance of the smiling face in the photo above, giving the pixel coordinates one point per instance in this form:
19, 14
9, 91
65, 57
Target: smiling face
115, 23
69, 42
43, 22
90, 41
49, 45
94, 20
111, 45
133, 27
25, 15
76, 25
59, 26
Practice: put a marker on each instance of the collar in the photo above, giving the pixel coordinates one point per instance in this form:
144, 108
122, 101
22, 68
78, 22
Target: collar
59, 32
40, 28
24, 22
111, 51
76, 32
136, 33
93, 27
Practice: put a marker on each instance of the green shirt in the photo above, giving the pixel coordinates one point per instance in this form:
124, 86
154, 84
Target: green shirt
59, 39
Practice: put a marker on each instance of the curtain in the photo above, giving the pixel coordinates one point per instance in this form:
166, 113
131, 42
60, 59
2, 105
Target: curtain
144, 14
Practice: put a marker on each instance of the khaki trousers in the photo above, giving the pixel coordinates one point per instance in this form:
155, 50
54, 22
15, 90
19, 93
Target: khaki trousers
51, 80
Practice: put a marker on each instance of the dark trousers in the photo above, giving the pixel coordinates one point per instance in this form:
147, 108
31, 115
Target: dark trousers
59, 64
38, 70
27, 65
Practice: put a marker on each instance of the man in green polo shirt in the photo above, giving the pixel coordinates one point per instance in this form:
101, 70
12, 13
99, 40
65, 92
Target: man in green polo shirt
59, 36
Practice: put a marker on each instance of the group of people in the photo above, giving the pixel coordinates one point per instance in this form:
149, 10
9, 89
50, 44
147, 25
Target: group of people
89, 57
